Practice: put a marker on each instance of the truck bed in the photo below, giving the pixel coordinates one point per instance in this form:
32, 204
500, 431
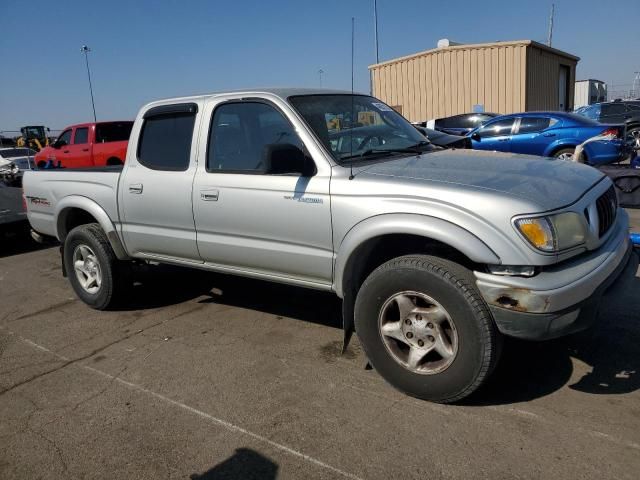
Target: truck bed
46, 190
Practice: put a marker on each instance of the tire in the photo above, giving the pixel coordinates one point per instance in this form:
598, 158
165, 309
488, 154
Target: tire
91, 240
469, 321
565, 154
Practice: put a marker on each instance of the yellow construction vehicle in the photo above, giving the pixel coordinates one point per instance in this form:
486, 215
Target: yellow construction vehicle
34, 137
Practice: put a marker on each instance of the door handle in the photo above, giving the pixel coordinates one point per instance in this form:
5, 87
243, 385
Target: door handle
503, 139
548, 134
85, 149
209, 195
135, 188
65, 151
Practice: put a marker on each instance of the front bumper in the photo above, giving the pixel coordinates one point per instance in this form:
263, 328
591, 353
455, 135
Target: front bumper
560, 300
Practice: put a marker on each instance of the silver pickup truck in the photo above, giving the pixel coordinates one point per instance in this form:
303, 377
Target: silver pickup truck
436, 253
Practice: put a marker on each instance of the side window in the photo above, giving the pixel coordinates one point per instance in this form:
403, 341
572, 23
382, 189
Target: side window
165, 141
497, 129
613, 109
241, 133
81, 136
65, 137
113, 132
533, 124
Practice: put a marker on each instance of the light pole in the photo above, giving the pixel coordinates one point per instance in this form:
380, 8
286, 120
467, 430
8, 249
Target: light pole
86, 51
320, 72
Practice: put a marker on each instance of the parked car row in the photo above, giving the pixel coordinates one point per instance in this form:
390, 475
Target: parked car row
552, 134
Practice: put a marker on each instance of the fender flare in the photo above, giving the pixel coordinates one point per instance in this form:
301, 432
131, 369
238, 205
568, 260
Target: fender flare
97, 212
411, 224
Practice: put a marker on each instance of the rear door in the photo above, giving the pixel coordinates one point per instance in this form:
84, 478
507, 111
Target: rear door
532, 135
156, 185
494, 135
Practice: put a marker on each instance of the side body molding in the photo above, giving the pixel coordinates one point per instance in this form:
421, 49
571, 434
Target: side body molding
412, 224
68, 203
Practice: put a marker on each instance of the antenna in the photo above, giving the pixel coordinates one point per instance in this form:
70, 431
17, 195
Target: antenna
550, 36
353, 21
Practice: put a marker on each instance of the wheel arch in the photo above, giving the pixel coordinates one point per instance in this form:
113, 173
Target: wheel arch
113, 161
552, 149
378, 239
76, 210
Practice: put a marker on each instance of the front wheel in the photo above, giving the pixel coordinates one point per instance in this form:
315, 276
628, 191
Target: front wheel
95, 273
426, 329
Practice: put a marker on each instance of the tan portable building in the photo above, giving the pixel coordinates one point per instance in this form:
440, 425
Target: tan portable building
502, 77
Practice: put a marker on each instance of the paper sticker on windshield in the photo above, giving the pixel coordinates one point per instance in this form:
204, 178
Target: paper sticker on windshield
382, 107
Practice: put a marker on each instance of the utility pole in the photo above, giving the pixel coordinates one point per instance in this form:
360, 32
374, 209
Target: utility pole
86, 51
634, 87
320, 72
550, 36
375, 31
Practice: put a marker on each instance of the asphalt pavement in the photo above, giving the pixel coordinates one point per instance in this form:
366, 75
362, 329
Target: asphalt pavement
207, 376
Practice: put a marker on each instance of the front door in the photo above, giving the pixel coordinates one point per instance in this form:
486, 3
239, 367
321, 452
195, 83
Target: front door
79, 154
248, 219
156, 185
533, 135
61, 153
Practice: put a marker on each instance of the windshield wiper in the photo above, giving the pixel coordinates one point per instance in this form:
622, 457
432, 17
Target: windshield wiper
416, 148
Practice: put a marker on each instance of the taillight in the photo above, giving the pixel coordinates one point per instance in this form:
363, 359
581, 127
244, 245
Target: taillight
611, 131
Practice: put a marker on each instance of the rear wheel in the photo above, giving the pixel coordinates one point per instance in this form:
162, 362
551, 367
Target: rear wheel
565, 154
94, 271
426, 329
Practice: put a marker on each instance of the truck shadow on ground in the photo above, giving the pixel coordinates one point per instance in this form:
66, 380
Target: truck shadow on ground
527, 370
611, 349
245, 464
16, 240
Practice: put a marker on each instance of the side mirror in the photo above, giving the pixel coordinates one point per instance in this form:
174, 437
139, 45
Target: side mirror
59, 144
285, 158
475, 136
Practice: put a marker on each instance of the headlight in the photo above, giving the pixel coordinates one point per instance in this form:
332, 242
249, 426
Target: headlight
553, 233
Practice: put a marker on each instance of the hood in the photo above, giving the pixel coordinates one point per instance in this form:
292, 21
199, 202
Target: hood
547, 182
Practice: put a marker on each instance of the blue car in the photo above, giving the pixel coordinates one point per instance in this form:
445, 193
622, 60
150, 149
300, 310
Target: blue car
550, 134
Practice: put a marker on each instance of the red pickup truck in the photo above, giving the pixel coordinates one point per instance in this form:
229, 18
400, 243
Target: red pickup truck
87, 145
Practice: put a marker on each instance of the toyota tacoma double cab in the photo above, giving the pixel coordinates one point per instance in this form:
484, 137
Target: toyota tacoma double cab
437, 254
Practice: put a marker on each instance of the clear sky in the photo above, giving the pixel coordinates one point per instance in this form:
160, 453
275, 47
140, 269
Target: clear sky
145, 50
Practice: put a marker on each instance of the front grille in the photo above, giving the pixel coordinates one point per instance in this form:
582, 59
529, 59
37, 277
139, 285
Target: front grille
607, 207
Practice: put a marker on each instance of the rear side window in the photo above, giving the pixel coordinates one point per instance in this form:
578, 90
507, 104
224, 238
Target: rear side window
165, 141
613, 109
534, 124
81, 136
113, 132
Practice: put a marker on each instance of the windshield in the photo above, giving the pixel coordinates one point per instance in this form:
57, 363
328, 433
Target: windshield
354, 126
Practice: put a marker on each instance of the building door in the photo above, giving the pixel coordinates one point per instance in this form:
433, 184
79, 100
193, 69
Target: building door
563, 89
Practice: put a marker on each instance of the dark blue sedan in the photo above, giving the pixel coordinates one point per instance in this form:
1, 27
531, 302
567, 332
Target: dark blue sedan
550, 134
